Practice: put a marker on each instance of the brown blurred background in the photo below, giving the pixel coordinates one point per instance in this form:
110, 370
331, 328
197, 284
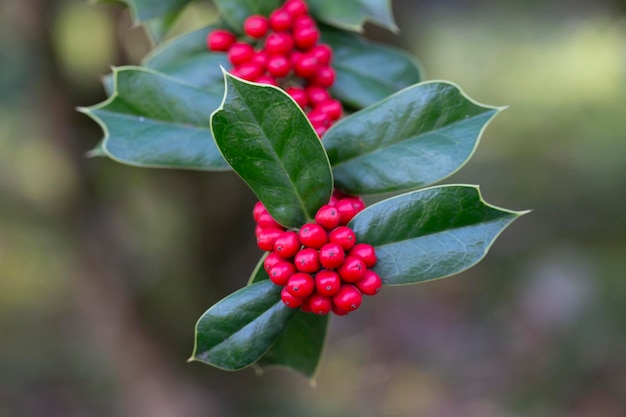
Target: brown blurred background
105, 268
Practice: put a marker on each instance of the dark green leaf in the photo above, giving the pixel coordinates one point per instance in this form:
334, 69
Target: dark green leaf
155, 121
352, 14
239, 329
300, 346
187, 59
267, 139
367, 72
159, 27
235, 12
416, 137
431, 233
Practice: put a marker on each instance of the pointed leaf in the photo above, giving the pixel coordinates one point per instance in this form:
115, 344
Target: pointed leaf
155, 121
429, 234
187, 59
267, 139
239, 329
235, 12
352, 14
356, 84
300, 346
416, 137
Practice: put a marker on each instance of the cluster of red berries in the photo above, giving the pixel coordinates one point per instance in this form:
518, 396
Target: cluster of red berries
321, 267
284, 50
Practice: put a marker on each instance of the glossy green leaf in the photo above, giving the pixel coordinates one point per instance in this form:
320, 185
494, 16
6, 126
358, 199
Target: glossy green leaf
367, 72
267, 139
352, 14
431, 233
241, 328
187, 59
413, 138
300, 346
234, 12
143, 10
152, 120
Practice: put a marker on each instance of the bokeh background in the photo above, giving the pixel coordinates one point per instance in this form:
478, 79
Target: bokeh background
105, 268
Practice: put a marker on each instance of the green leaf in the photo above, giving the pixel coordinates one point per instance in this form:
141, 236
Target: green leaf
152, 120
159, 27
234, 12
367, 72
416, 137
241, 328
267, 139
431, 233
143, 10
300, 346
352, 14
187, 59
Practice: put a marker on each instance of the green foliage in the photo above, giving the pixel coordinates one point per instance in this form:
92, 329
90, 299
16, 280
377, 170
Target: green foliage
352, 14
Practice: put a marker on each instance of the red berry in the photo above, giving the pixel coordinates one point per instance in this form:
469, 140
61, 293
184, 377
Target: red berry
357, 203
332, 256
324, 77
366, 252
266, 220
299, 96
278, 44
344, 236
266, 79
317, 95
249, 71
370, 284
305, 66
320, 305
220, 40
320, 130
303, 21
290, 300
271, 260
281, 272
318, 118
348, 298
323, 53
239, 53
300, 285
328, 217
260, 58
331, 108
258, 209
306, 37
280, 20
256, 26
278, 66
296, 8
307, 260
305, 307
267, 237
312, 235
327, 282
338, 311
346, 210
352, 269
287, 244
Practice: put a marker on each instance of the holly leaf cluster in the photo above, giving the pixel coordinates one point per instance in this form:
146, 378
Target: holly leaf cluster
183, 109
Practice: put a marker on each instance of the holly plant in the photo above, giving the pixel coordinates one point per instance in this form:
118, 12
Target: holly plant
312, 116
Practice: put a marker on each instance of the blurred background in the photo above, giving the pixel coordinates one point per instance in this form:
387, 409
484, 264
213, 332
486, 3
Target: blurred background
104, 268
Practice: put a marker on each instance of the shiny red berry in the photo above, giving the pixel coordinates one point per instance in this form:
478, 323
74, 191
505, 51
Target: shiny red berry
296, 8
366, 252
323, 53
331, 108
328, 217
303, 21
307, 260
319, 304
370, 284
280, 20
306, 37
317, 95
281, 272
305, 66
240, 52
346, 210
267, 237
318, 118
289, 299
287, 244
271, 260
249, 71
312, 235
300, 285
258, 209
327, 282
278, 66
338, 311
352, 270
299, 96
344, 236
266, 79
260, 58
348, 298
278, 44
324, 77
220, 40
256, 26
266, 220
332, 255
